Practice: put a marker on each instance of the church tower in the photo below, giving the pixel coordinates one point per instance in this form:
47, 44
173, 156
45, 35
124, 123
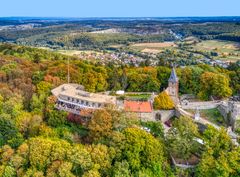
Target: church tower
173, 86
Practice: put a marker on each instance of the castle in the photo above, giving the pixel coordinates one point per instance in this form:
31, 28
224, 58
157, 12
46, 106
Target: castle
73, 98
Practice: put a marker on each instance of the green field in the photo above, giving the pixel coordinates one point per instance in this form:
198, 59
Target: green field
136, 97
226, 50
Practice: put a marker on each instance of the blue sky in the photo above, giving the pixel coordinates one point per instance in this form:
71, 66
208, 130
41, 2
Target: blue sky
119, 8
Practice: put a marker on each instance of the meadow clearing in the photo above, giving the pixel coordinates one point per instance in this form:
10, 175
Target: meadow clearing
226, 50
152, 47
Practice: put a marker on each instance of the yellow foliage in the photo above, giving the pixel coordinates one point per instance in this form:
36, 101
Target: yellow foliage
163, 101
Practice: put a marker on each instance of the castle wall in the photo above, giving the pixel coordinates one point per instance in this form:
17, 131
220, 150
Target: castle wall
231, 112
146, 116
200, 104
234, 112
165, 115
223, 109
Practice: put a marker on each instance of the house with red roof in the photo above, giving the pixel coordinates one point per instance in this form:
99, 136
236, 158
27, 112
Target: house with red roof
138, 106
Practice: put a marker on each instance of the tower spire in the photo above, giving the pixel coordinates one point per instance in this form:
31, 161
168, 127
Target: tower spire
173, 86
173, 77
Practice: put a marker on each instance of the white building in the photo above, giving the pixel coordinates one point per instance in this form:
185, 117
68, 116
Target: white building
72, 98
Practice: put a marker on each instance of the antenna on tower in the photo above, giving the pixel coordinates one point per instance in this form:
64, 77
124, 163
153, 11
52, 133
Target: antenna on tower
68, 77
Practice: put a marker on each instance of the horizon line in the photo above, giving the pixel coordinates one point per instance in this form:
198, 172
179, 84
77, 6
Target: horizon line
194, 16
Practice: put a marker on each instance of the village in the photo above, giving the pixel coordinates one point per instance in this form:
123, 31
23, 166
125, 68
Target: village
137, 59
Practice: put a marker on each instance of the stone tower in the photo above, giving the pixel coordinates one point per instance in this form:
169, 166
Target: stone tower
173, 86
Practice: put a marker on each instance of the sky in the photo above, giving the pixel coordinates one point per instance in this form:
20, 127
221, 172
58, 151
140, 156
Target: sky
119, 8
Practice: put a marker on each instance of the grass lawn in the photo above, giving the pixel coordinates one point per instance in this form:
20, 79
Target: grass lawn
140, 97
214, 116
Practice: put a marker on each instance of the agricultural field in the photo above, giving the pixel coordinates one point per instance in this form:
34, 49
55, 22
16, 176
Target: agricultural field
226, 50
77, 52
153, 47
222, 46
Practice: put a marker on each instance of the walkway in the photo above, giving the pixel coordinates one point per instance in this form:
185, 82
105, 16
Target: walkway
200, 104
207, 122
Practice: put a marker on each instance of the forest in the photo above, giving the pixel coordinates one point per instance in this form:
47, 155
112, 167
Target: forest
69, 33
38, 140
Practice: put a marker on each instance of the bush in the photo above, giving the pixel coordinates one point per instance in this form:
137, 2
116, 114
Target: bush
56, 118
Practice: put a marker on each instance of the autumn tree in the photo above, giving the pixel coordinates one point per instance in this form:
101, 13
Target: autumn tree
100, 125
28, 124
143, 80
121, 120
101, 156
163, 101
94, 81
1, 104
213, 84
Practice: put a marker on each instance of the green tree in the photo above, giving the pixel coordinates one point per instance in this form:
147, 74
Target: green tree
81, 159
180, 138
163, 74
9, 133
1, 104
156, 128
142, 151
121, 169
9, 172
13, 106
220, 156
101, 157
56, 118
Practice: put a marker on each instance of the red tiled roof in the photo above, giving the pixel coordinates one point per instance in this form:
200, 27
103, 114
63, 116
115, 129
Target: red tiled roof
137, 106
